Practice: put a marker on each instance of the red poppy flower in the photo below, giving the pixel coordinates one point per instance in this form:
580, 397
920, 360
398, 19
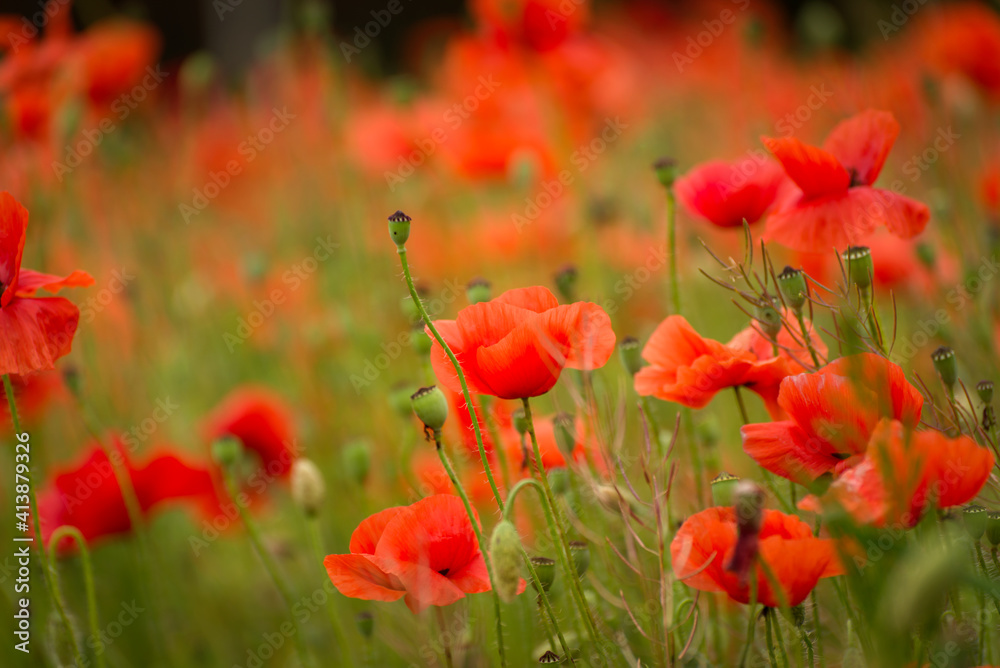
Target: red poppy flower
704, 545
538, 24
114, 56
905, 471
832, 414
33, 393
688, 369
34, 331
88, 496
427, 552
835, 205
726, 193
262, 422
517, 345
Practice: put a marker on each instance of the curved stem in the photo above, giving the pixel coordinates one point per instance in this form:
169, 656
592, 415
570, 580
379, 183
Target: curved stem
806, 338
269, 565
88, 580
338, 629
675, 288
512, 495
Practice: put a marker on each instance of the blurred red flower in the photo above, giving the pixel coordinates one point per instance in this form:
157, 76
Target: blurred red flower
34, 331
904, 472
262, 422
427, 552
832, 414
835, 205
704, 545
724, 194
517, 345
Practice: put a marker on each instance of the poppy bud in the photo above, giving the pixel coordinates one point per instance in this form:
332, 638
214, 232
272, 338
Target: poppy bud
792, 283
566, 283
565, 430
708, 431
723, 486
366, 624
399, 228
545, 569
431, 406
478, 290
926, 254
946, 365
859, 266
227, 451
799, 615
519, 421
356, 458
420, 341
993, 527
579, 551
748, 506
399, 399
308, 489
769, 319
607, 496
71, 376
505, 551
666, 171
984, 389
975, 521
631, 354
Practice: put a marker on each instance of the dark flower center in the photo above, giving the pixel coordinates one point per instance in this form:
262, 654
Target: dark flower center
444, 572
855, 178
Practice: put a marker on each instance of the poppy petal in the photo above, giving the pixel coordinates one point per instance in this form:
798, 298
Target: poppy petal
356, 576
815, 171
862, 143
536, 298
365, 538
13, 225
34, 333
29, 282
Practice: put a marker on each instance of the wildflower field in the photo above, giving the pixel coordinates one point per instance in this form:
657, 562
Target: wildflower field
593, 333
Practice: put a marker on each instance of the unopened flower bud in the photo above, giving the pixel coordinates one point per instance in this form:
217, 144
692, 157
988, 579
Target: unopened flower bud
792, 283
946, 365
926, 254
545, 569
859, 266
399, 228
799, 615
975, 521
356, 458
227, 451
993, 527
420, 340
769, 319
478, 290
565, 430
723, 486
630, 353
708, 431
984, 389
505, 552
579, 551
566, 283
308, 489
431, 406
666, 171
366, 624
520, 421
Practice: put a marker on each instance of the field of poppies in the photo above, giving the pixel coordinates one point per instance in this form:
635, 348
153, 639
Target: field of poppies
601, 334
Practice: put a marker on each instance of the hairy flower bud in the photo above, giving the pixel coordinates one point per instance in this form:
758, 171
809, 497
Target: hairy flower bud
505, 552
399, 228
631, 354
431, 406
993, 527
478, 290
984, 389
308, 488
666, 171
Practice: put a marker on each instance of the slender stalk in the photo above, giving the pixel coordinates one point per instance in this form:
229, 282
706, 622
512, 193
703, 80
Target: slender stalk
558, 535
806, 338
88, 581
497, 445
750, 624
770, 640
445, 637
675, 288
338, 629
781, 642
654, 430
819, 635
269, 564
743, 406
48, 576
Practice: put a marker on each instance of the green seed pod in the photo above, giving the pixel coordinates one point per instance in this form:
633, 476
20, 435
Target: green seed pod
399, 228
431, 406
566, 283
579, 551
993, 527
565, 430
723, 486
631, 354
984, 389
420, 341
227, 451
769, 320
975, 521
505, 551
859, 266
946, 365
545, 569
356, 458
478, 290
308, 488
366, 624
792, 283
666, 171
520, 421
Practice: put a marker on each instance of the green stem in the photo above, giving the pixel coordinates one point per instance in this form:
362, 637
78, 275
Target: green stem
558, 535
781, 642
269, 565
338, 629
495, 437
743, 407
806, 338
88, 580
819, 635
675, 288
445, 636
770, 640
48, 576
487, 558
654, 429
750, 624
